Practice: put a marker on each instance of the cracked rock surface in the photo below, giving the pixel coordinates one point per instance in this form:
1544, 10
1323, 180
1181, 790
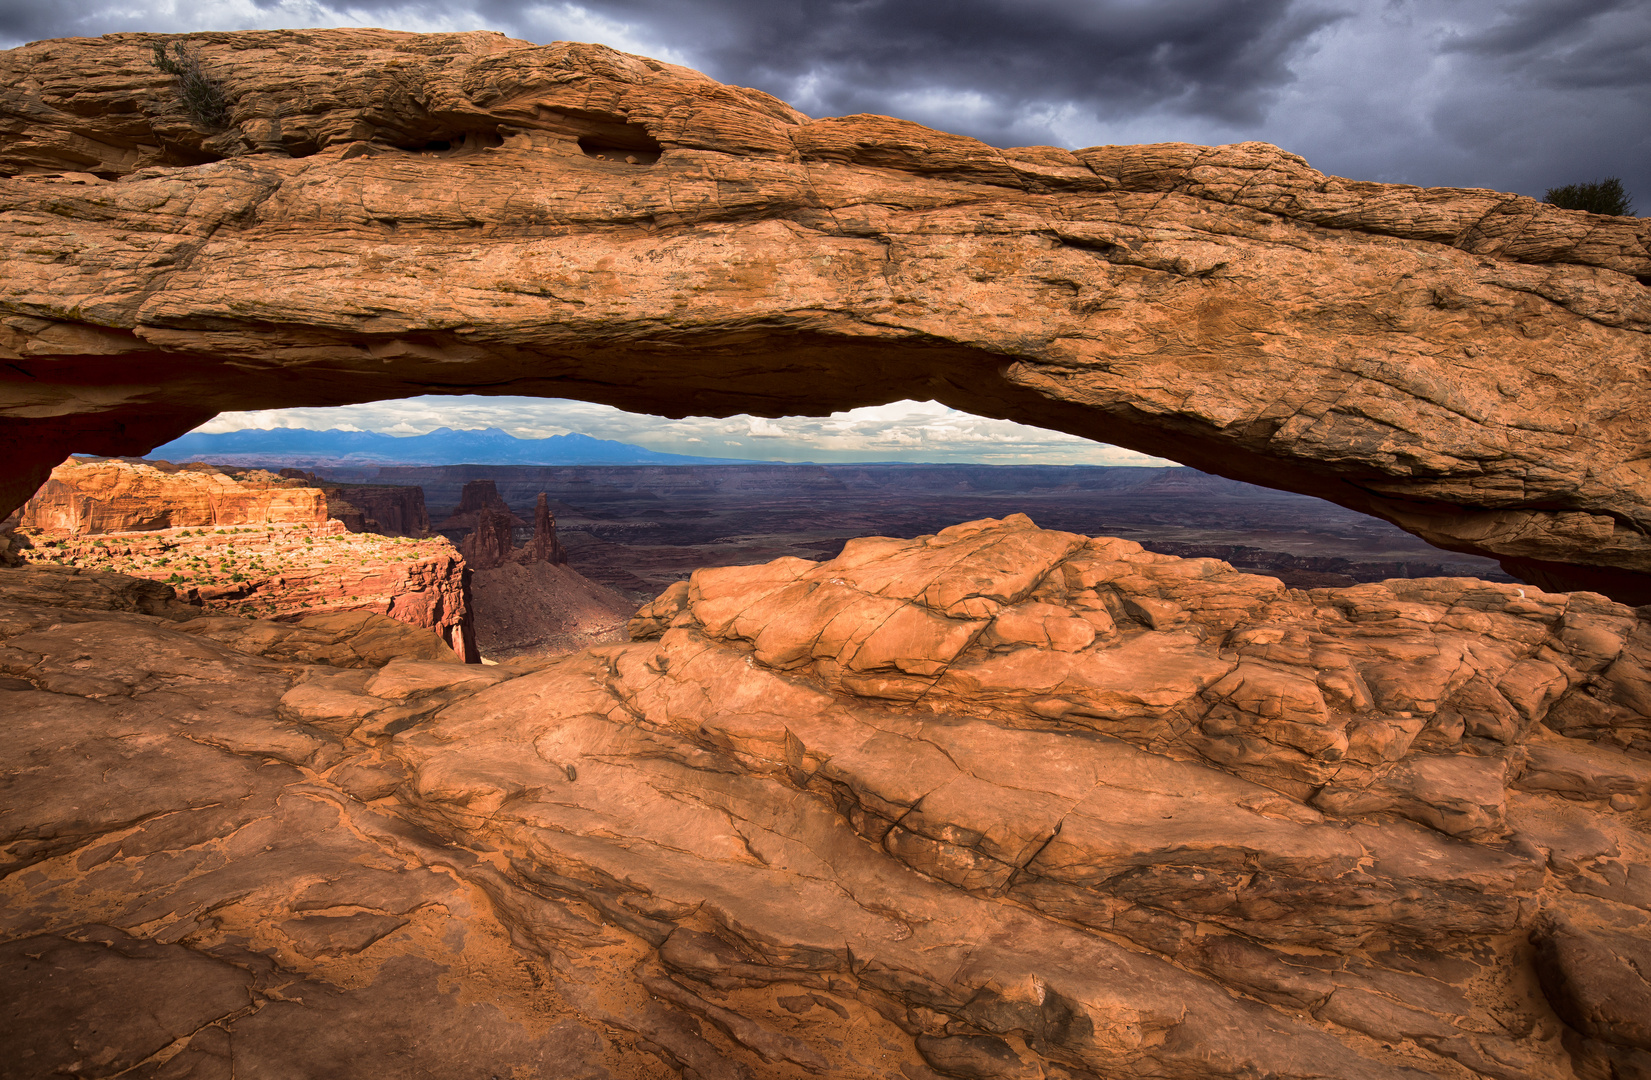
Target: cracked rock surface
384, 215
1000, 801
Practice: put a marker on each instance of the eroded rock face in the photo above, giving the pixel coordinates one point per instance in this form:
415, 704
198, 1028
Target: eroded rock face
88, 498
543, 546
571, 221
91, 497
262, 546
996, 802
479, 496
489, 543
386, 509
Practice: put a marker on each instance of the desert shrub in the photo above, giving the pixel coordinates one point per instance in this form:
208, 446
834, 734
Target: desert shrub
1600, 197
201, 96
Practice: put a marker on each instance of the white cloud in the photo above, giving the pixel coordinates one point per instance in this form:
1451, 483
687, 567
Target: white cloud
761, 428
898, 431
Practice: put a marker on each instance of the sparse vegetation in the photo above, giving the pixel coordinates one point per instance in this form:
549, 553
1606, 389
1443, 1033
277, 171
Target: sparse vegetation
201, 96
1599, 197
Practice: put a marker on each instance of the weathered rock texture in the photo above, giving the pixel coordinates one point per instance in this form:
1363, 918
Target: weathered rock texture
288, 573
999, 802
480, 497
543, 546
89, 498
491, 542
388, 213
262, 545
387, 509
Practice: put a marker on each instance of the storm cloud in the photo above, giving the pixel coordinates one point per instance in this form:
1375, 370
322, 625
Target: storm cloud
1477, 93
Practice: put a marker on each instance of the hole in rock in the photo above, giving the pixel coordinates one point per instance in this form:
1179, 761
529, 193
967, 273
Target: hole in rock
640, 502
461, 142
631, 149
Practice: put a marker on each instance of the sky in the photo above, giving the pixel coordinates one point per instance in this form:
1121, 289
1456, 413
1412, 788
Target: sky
1514, 95
901, 431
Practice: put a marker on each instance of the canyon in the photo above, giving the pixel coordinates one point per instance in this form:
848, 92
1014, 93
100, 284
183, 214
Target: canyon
528, 602
293, 545
993, 799
252, 543
641, 529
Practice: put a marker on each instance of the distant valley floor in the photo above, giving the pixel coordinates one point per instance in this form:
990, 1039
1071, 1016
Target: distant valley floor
637, 529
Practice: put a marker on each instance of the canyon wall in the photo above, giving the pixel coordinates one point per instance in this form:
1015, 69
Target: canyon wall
570, 221
386, 509
252, 544
84, 498
87, 497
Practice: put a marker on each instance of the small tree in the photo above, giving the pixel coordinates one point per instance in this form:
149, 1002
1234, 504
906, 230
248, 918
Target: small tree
1600, 197
200, 95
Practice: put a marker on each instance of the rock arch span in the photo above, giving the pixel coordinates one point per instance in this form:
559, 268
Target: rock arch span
390, 214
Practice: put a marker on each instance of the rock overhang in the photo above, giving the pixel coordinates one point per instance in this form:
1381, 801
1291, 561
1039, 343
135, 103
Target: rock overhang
390, 214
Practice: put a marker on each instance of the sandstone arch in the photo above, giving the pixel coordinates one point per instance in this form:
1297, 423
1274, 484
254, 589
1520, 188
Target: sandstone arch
392, 214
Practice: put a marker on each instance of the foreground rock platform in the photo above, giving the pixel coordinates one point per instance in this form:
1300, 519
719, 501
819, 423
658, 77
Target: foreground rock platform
382, 215
997, 802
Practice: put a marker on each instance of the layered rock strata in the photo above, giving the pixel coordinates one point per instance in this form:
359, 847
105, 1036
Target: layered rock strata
491, 542
477, 498
386, 509
288, 573
89, 498
567, 220
543, 546
995, 802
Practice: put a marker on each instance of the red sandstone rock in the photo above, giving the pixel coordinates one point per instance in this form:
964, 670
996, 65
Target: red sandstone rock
1468, 364
85, 498
543, 547
489, 543
118, 515
995, 802
479, 495
112, 496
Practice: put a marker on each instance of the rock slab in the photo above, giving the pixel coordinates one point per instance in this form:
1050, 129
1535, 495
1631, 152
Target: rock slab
999, 801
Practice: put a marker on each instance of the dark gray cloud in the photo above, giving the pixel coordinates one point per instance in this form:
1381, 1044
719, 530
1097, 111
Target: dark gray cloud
1221, 59
1479, 93
1568, 44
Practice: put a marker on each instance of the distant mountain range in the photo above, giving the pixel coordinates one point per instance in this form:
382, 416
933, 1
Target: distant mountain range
443, 446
